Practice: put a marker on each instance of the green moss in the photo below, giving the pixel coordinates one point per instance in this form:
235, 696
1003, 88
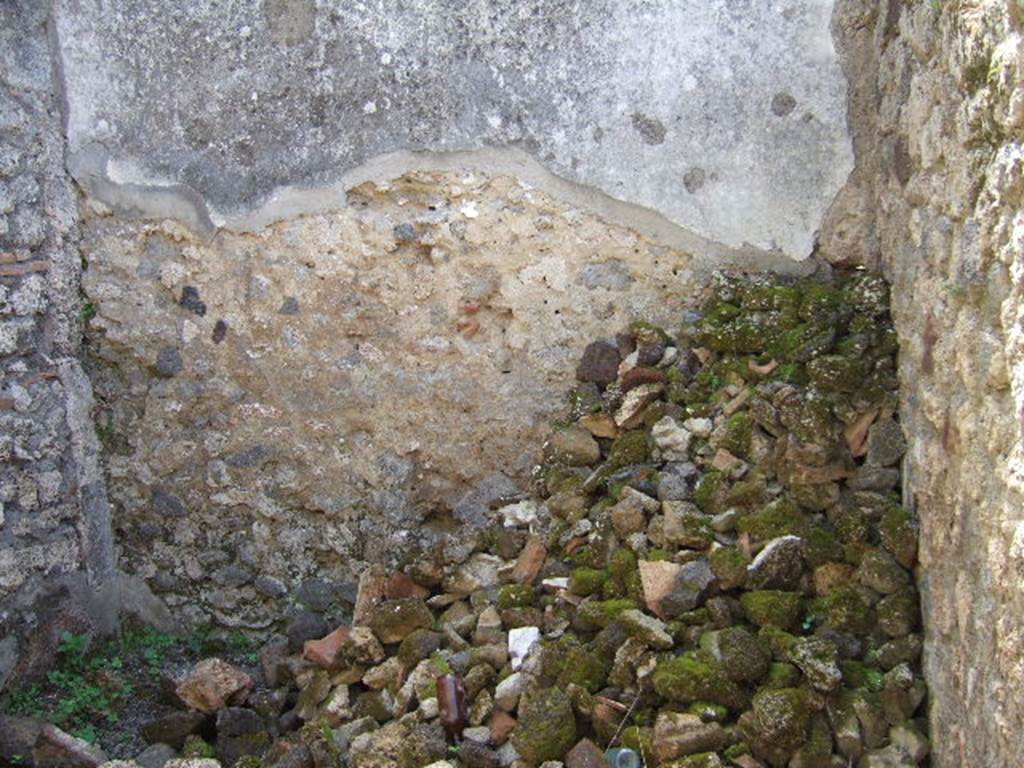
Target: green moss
694, 618
750, 492
819, 302
844, 609
738, 431
707, 493
621, 563
601, 613
633, 447
585, 557
736, 750
195, 747
776, 641
249, 761
781, 674
769, 606
638, 739
781, 717
821, 546
587, 581
739, 654
557, 479
729, 565
779, 518
898, 533
567, 660
857, 674
546, 728
835, 373
516, 596
694, 677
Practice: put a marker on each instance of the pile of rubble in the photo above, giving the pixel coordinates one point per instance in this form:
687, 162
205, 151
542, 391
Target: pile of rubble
715, 570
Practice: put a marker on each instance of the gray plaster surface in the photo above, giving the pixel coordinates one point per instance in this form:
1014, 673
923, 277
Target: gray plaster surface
724, 117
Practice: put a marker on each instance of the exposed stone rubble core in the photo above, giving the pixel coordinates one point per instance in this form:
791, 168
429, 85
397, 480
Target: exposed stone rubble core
746, 601
287, 406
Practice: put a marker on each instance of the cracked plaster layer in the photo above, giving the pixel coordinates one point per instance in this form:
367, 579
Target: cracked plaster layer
726, 119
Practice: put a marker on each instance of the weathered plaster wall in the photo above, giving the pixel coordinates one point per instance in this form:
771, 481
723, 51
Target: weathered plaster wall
341, 261
726, 117
940, 94
56, 554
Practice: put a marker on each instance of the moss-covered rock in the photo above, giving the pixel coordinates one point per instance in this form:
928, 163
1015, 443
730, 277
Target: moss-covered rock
516, 596
770, 606
710, 491
836, 373
694, 677
777, 724
738, 653
195, 746
418, 645
779, 518
601, 613
816, 658
845, 609
867, 293
898, 532
568, 661
547, 728
729, 565
782, 675
737, 435
587, 581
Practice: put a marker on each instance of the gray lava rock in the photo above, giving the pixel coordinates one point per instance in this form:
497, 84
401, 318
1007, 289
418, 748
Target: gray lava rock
599, 364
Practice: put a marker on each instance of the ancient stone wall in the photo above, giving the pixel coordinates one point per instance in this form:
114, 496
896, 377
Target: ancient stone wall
308, 346
938, 90
56, 554
335, 295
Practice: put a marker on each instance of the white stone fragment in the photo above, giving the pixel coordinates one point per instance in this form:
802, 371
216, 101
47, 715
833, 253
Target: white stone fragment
520, 641
672, 440
521, 514
699, 427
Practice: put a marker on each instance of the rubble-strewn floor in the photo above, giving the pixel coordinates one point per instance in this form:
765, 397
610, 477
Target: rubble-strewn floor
714, 570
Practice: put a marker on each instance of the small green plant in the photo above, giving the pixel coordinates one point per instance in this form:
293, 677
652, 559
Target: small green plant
242, 647
88, 311
88, 686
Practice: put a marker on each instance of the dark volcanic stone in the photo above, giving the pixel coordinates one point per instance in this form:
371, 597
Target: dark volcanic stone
475, 755
600, 363
169, 362
174, 728
190, 300
305, 626
315, 594
167, 505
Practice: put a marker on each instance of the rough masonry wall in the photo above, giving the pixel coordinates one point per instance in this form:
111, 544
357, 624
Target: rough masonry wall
56, 556
947, 164
338, 263
280, 408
